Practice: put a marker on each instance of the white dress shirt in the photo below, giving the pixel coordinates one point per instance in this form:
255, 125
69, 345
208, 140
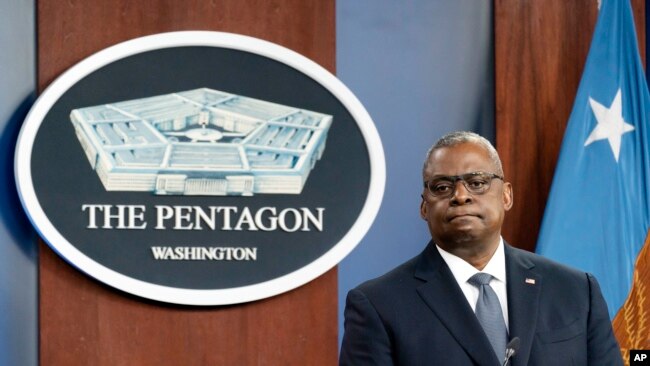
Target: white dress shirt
462, 272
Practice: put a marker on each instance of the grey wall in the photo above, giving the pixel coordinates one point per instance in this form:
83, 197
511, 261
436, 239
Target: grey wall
18, 314
421, 68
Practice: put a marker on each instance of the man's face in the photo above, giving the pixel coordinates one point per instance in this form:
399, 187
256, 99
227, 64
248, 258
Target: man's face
464, 219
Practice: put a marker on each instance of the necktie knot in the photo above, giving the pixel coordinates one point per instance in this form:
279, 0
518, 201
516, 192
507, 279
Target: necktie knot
480, 279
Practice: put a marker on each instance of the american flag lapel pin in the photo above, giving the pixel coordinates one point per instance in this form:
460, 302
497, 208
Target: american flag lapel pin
530, 281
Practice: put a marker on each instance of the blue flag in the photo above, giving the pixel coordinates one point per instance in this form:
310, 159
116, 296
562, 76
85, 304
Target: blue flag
597, 215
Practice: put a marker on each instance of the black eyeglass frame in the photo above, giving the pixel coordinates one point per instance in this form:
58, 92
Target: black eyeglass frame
453, 179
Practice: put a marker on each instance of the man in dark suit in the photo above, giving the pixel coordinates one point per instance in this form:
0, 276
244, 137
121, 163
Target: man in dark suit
432, 311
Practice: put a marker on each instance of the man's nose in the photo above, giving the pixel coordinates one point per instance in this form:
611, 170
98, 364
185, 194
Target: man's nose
461, 195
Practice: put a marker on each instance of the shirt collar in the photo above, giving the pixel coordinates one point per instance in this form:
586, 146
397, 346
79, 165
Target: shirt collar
462, 270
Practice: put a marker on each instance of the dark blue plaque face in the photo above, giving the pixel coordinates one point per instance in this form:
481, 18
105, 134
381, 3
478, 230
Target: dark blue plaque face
157, 209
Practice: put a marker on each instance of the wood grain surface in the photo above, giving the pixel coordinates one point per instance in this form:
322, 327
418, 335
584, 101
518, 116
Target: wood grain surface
83, 322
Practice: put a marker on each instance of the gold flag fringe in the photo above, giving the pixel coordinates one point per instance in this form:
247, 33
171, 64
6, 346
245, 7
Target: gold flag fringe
632, 322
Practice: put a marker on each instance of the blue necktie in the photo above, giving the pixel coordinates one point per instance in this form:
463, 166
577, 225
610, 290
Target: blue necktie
489, 314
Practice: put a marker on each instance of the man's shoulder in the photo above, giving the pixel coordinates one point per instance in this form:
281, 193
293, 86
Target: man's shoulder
545, 265
395, 279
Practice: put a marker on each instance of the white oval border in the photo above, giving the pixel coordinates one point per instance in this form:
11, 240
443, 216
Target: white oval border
182, 296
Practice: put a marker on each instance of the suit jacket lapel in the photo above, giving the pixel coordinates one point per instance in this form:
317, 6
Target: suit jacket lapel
524, 287
442, 294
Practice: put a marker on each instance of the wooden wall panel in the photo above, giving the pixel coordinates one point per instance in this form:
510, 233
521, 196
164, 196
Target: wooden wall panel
540, 51
83, 322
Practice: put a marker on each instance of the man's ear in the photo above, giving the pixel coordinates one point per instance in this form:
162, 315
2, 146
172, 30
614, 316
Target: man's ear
507, 196
423, 209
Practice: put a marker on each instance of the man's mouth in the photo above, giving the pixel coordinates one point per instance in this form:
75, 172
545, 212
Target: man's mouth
461, 215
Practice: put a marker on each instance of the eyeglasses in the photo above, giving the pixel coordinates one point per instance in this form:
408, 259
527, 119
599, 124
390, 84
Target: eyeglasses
476, 183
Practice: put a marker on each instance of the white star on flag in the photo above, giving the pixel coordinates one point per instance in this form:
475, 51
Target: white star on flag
610, 124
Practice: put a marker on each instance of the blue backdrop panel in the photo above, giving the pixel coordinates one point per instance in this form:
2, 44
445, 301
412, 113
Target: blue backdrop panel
421, 68
18, 314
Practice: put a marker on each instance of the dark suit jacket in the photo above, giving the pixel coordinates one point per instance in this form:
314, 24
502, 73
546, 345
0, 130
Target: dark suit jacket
417, 315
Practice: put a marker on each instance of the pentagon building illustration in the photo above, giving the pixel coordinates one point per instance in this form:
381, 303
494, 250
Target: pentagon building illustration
201, 142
